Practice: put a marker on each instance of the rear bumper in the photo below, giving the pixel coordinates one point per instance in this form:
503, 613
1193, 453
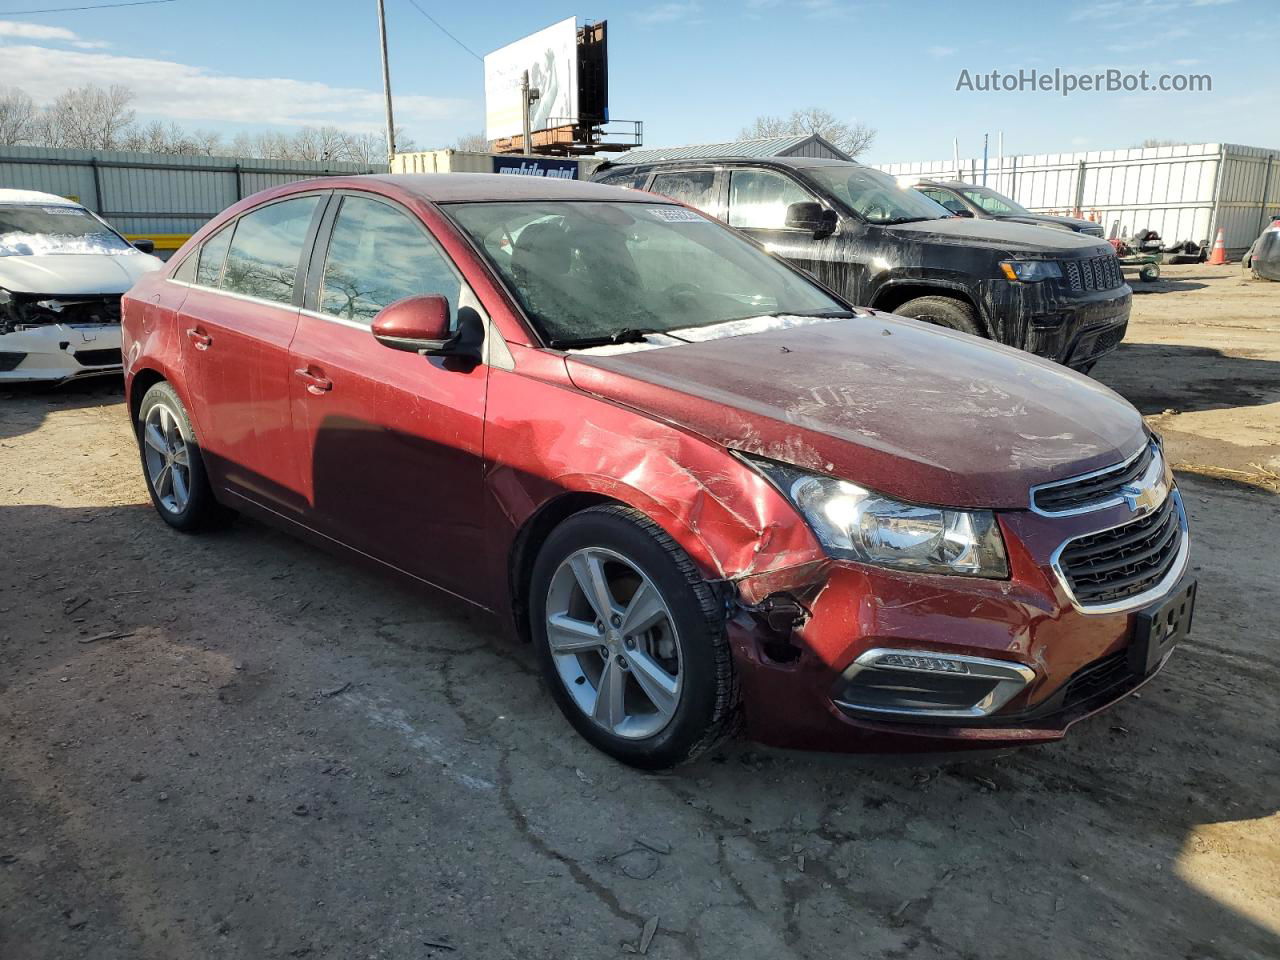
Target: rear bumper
57, 352
792, 679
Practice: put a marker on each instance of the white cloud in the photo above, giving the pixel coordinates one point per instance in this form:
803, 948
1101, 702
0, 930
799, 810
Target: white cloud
39, 31
194, 94
670, 13
941, 51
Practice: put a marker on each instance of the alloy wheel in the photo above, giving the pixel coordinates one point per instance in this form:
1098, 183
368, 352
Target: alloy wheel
168, 458
614, 643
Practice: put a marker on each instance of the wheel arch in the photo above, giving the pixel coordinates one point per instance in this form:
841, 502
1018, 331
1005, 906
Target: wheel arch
894, 293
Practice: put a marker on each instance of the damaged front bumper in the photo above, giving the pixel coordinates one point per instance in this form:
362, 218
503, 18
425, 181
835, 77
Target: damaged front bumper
51, 339
844, 657
1074, 328
59, 352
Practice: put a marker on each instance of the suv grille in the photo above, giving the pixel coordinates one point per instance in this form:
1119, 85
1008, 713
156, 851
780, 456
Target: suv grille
1094, 273
1123, 562
1093, 489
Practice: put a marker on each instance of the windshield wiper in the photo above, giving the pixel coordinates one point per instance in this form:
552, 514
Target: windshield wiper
892, 221
826, 314
625, 335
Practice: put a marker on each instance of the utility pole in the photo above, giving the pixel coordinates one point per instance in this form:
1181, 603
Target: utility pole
527, 96
386, 84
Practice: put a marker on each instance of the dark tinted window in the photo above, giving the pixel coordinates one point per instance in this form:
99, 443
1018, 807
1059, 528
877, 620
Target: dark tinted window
697, 188
263, 260
378, 255
759, 198
212, 253
632, 181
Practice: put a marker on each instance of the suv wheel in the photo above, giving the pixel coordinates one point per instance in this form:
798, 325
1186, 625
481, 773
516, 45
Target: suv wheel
944, 312
172, 465
631, 639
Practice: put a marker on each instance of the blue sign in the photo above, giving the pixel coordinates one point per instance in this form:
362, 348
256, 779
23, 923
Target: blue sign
537, 167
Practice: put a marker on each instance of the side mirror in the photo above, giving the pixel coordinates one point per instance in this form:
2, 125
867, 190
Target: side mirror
421, 325
811, 216
145, 245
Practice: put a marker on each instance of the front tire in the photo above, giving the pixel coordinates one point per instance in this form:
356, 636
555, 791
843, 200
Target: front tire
172, 464
943, 312
631, 639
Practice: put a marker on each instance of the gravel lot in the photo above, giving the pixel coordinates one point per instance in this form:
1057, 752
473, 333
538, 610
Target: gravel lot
237, 746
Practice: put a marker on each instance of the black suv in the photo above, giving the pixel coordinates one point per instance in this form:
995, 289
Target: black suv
1054, 293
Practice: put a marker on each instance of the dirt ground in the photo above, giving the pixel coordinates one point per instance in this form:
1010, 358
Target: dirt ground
237, 746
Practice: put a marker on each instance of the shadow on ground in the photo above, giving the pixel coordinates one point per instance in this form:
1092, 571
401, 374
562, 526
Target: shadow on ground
1158, 377
24, 406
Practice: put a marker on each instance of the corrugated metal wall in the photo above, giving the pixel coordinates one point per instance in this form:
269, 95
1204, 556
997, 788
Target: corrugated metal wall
147, 193
1183, 192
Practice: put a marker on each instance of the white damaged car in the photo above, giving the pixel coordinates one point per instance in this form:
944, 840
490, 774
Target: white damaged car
62, 271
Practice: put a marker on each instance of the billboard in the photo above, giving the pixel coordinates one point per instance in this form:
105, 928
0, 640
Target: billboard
551, 57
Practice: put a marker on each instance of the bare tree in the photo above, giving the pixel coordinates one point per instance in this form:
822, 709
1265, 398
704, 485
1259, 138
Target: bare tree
17, 116
89, 118
1153, 142
853, 138
473, 142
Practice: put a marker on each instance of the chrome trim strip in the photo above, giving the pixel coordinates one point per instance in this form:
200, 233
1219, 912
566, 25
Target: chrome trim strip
1011, 678
353, 324
1154, 470
1176, 570
232, 294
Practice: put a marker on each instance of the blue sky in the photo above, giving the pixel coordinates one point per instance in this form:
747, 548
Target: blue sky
692, 71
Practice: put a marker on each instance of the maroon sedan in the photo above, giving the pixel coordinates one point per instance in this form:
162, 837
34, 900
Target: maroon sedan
705, 488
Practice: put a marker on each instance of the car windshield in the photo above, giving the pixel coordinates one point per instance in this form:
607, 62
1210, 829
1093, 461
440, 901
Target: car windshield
874, 196
993, 202
32, 229
590, 272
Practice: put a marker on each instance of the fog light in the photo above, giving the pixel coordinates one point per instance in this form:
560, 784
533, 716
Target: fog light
921, 685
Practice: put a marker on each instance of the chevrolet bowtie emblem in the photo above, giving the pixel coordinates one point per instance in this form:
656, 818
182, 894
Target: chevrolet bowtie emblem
1140, 498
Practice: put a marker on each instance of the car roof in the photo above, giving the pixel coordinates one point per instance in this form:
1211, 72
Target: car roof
35, 196
463, 187
735, 161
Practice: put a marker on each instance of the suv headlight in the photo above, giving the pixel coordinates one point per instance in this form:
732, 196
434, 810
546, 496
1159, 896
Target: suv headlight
854, 523
1030, 271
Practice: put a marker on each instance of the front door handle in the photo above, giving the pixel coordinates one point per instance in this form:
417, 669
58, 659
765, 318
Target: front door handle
315, 383
201, 339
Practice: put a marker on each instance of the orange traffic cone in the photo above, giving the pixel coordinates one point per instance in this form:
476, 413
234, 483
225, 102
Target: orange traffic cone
1218, 256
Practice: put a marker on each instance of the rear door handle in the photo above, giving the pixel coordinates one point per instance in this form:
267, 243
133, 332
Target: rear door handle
201, 339
315, 383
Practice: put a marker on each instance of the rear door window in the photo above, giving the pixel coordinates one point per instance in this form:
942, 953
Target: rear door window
697, 188
759, 199
263, 259
378, 255
632, 181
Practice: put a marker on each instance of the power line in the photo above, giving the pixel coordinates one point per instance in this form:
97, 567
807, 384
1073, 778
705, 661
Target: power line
441, 28
101, 6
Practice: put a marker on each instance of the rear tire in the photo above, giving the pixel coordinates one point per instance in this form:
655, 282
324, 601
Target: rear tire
680, 629
172, 465
943, 312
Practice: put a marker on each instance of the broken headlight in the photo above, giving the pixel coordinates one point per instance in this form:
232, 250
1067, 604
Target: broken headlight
1030, 271
854, 523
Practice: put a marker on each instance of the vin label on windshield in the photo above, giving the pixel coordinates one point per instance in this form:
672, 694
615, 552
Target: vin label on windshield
677, 215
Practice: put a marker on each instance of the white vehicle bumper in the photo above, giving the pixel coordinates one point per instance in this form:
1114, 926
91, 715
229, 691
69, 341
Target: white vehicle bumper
58, 351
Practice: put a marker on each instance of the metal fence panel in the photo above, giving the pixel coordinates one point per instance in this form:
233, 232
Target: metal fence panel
1183, 192
157, 195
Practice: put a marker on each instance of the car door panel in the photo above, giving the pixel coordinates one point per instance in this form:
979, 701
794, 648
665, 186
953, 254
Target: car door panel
236, 325
391, 452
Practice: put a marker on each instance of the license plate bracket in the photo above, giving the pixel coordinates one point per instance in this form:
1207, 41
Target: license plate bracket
1160, 627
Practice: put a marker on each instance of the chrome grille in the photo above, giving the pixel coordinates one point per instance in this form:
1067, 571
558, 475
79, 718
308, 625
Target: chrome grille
1093, 273
1093, 490
1122, 563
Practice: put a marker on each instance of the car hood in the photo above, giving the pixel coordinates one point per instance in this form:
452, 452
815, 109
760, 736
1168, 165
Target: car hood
1003, 235
914, 411
1049, 220
75, 274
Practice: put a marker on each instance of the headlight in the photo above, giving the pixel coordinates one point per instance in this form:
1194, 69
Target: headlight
858, 524
1030, 271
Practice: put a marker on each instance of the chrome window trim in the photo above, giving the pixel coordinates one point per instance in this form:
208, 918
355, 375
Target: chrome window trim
233, 295
1155, 468
1011, 677
1176, 570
